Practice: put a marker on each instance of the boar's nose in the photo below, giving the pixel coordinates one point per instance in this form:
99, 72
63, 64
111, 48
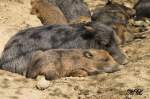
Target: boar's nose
123, 60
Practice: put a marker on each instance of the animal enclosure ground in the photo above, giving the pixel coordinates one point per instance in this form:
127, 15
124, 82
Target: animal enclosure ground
15, 15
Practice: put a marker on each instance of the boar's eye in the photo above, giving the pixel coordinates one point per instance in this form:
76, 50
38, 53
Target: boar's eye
88, 54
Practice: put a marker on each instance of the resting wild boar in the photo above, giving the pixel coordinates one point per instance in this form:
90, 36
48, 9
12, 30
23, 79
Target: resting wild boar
73, 10
57, 63
47, 12
115, 15
18, 50
142, 8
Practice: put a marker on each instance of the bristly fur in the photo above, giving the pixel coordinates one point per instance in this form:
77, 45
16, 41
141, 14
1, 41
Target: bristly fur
18, 51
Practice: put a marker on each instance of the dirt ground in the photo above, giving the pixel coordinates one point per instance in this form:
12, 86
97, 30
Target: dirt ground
132, 82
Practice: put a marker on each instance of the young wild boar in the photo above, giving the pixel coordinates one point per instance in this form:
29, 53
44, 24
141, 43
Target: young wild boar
57, 63
18, 51
47, 12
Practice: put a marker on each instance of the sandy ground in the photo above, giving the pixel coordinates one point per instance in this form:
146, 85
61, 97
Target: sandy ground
15, 15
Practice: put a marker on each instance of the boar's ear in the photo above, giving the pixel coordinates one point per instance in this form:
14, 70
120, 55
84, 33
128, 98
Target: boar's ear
87, 54
89, 32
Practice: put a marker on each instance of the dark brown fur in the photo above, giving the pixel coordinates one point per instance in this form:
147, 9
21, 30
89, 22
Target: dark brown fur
115, 16
142, 9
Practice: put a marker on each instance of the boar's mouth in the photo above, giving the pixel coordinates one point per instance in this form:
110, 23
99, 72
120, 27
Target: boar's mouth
106, 69
111, 69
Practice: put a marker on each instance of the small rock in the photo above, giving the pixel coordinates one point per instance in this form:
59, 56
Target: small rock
140, 23
42, 83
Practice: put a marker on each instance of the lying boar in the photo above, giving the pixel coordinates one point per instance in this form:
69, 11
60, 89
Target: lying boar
18, 51
115, 16
142, 8
57, 63
73, 9
113, 13
47, 12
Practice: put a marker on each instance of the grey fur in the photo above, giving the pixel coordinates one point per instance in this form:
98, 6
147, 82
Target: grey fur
18, 51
